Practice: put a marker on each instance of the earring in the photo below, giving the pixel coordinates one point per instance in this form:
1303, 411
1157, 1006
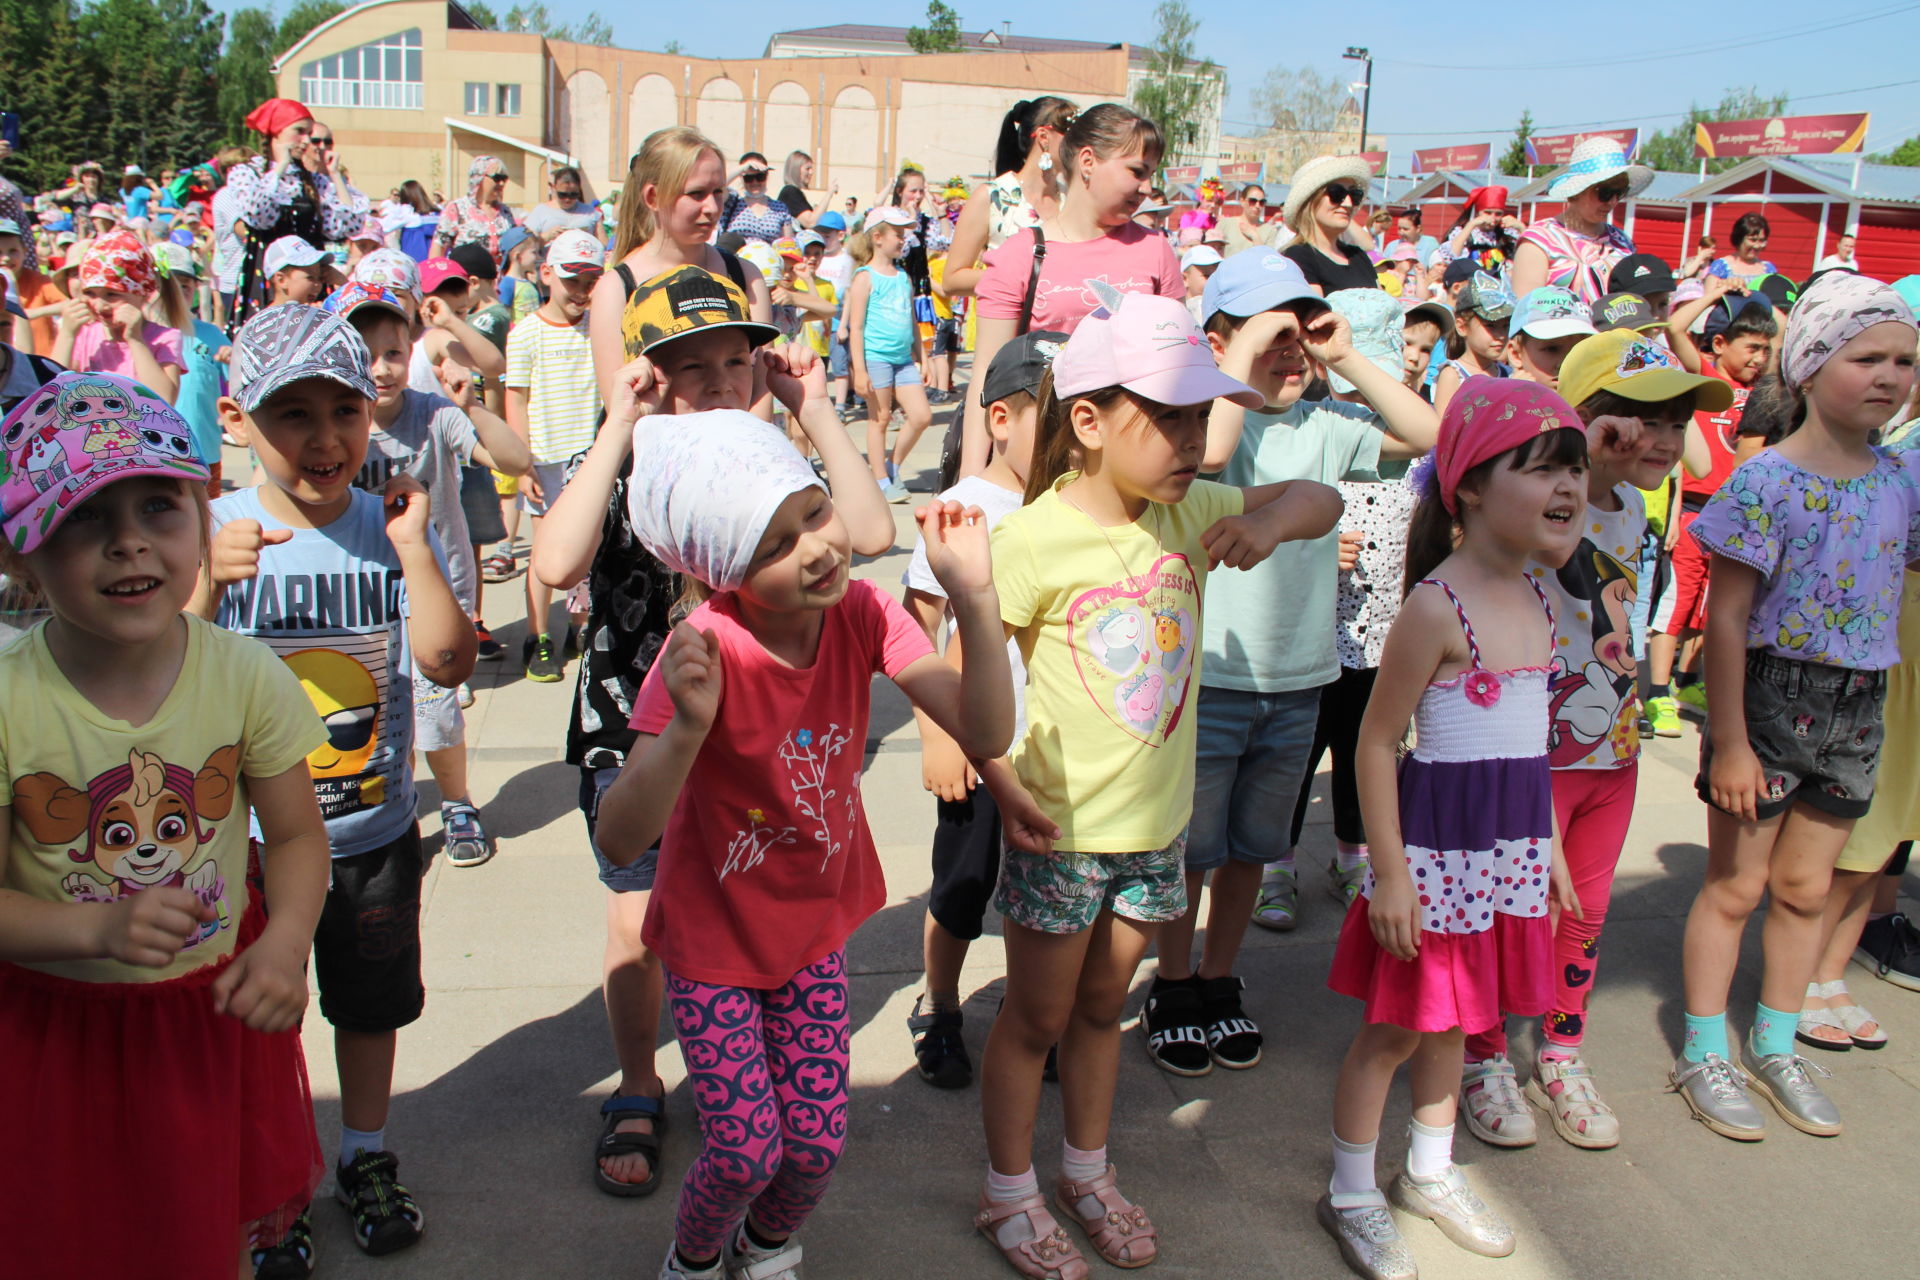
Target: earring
1046, 162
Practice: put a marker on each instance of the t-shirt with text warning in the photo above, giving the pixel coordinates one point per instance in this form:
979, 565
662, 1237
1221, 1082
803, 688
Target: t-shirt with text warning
767, 864
1109, 621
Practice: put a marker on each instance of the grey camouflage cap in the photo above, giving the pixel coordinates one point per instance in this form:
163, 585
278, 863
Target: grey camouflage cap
291, 343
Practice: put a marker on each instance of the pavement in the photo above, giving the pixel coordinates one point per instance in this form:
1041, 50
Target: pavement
498, 1085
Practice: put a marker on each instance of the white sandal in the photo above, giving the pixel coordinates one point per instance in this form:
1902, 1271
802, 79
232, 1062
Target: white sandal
1854, 1016
1812, 1019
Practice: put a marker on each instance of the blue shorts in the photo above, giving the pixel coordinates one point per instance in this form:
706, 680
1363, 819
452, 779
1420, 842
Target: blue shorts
636, 876
837, 360
1252, 758
884, 373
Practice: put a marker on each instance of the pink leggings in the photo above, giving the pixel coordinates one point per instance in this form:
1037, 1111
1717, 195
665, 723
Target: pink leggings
769, 1076
1594, 808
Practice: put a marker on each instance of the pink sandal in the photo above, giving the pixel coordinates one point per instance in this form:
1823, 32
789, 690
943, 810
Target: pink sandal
1121, 1233
1048, 1256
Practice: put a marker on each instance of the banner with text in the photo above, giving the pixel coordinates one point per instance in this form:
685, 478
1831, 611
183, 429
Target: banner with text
1559, 148
1781, 136
1182, 175
1238, 173
1378, 159
1434, 159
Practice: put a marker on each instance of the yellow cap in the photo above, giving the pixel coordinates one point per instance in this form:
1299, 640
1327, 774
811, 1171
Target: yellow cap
1633, 366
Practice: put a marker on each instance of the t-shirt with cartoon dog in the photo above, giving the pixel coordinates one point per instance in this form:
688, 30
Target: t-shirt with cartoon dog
102, 809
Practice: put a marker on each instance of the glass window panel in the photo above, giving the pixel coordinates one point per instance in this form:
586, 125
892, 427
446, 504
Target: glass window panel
413, 66
393, 65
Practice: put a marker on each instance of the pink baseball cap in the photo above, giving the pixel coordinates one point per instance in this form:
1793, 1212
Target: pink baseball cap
435, 273
1151, 346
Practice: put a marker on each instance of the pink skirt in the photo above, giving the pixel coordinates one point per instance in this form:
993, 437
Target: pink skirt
1465, 980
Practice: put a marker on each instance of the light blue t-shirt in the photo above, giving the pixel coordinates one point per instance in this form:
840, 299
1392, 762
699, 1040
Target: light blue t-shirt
888, 325
200, 386
137, 201
332, 602
1269, 629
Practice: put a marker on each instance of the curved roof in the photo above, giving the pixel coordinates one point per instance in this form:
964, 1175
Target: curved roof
458, 19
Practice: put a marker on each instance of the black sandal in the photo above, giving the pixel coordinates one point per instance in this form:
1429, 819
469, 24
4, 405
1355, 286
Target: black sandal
616, 1111
939, 1053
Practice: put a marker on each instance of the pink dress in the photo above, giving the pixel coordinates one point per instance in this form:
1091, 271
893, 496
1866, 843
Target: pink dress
1476, 817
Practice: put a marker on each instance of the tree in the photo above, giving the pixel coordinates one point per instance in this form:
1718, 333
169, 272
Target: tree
1303, 114
1672, 149
673, 48
940, 35
1514, 162
483, 14
593, 29
303, 17
1907, 153
245, 71
1178, 90
155, 61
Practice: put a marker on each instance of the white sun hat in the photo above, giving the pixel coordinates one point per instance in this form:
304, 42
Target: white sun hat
1594, 161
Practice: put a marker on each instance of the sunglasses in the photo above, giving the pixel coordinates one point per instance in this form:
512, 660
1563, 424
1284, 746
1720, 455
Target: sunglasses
496, 177
319, 141
1608, 194
1339, 193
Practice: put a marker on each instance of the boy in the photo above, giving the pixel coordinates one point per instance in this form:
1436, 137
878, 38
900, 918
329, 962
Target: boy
371, 235
1548, 323
518, 289
350, 589
1644, 274
1628, 311
1197, 266
491, 499
430, 438
692, 349
836, 269
553, 402
966, 835
38, 296
1268, 638
298, 272
443, 331
1425, 331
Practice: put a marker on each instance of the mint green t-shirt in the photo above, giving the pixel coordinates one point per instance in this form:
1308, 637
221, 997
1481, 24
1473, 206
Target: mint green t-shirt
1269, 629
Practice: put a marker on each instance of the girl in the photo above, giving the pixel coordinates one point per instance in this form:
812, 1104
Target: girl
1486, 231
1111, 658
883, 344
205, 349
1432, 957
105, 330
750, 727
1802, 631
148, 1006
1478, 344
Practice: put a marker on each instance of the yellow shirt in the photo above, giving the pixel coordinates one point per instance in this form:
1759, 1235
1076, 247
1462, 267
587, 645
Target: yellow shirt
1108, 620
1659, 501
99, 809
937, 272
815, 327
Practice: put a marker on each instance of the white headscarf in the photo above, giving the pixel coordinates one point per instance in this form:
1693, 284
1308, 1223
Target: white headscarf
705, 486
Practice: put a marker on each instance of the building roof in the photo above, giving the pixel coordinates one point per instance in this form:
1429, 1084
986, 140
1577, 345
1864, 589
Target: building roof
1879, 183
971, 41
458, 19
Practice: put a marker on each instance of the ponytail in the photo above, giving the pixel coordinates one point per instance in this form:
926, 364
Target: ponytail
1055, 448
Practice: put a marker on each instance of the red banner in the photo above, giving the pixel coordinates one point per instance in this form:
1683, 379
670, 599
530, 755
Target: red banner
1378, 159
1559, 149
1781, 136
1182, 174
1241, 172
1434, 159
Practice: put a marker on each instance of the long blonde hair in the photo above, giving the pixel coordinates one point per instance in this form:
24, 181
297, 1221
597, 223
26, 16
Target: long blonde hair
665, 160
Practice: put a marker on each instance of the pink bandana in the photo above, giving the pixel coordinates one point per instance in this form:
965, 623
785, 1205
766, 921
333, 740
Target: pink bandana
1487, 417
1837, 308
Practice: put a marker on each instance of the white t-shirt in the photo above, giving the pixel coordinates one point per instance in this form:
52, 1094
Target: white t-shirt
837, 270
975, 491
1833, 260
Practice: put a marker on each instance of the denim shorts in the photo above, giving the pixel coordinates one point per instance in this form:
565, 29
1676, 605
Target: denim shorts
1817, 730
884, 373
437, 719
1062, 892
837, 359
636, 876
1252, 758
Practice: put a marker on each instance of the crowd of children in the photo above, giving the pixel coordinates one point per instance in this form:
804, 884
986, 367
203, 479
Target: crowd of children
1213, 526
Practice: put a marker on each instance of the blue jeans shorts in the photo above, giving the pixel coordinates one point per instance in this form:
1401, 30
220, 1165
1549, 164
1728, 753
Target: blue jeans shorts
885, 373
837, 359
637, 876
1253, 752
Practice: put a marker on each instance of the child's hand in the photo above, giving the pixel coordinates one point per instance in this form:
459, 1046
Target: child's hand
944, 769
149, 928
1715, 288
637, 392
263, 987
76, 314
407, 509
1560, 894
693, 675
1261, 332
236, 549
957, 542
862, 384
1393, 913
1614, 441
793, 374
1025, 825
435, 313
1736, 781
1328, 338
458, 381
1239, 542
1349, 550
124, 321
530, 486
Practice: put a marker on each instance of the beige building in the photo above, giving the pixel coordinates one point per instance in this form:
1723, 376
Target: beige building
415, 89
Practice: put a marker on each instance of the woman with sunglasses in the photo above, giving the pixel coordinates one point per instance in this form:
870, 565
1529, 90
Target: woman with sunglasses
480, 216
1577, 249
750, 212
1326, 194
1249, 227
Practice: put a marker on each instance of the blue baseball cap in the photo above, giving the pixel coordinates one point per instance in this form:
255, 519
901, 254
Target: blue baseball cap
830, 221
510, 239
1255, 280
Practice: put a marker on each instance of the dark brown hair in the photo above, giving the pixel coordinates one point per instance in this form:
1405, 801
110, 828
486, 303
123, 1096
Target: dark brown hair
1434, 531
1608, 404
1054, 444
1111, 129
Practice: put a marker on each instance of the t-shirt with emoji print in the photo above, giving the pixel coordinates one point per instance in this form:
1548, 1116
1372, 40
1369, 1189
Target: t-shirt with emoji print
101, 809
1590, 692
1108, 619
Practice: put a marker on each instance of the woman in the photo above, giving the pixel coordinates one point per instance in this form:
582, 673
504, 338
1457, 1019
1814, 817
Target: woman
1325, 194
87, 189
294, 190
799, 176
412, 222
1745, 264
1486, 231
910, 193
1577, 250
1249, 227
482, 214
751, 213
1024, 191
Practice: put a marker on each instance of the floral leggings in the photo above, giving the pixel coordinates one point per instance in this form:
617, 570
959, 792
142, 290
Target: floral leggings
769, 1076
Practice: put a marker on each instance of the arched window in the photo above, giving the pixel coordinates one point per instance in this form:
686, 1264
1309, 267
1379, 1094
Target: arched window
384, 73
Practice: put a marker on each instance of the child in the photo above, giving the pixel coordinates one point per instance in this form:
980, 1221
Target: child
430, 438
143, 938
520, 283
1648, 277
350, 589
104, 329
1426, 327
966, 836
692, 343
205, 350
553, 402
884, 345
480, 487
1095, 800
442, 335
39, 297
806, 292
1431, 957
754, 904
298, 272
1546, 325
1808, 540
1197, 266
1637, 403
1483, 313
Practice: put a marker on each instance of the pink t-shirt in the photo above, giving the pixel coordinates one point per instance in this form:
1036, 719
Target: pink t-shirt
766, 864
1132, 260
92, 353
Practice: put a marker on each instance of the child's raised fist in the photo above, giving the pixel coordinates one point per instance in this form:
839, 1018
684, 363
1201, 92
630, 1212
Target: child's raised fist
236, 549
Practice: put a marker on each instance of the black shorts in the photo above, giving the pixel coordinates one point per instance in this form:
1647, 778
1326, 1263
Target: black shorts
480, 502
966, 862
946, 338
1897, 865
1817, 730
366, 952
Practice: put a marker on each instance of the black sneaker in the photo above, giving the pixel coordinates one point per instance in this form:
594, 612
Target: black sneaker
1176, 1036
939, 1054
292, 1257
1232, 1038
487, 647
570, 647
543, 664
1890, 946
385, 1218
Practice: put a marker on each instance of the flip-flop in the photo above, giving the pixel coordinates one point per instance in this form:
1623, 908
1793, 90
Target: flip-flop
616, 1110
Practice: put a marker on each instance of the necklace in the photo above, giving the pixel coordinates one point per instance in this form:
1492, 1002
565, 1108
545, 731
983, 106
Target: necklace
1126, 570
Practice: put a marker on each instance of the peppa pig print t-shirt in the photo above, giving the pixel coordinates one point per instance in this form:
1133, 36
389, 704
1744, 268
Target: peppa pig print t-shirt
1108, 620
766, 864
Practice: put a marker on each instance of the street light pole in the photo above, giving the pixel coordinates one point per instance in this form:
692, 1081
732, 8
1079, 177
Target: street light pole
1365, 59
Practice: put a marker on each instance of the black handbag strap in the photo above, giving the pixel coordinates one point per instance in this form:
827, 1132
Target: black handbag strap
1033, 280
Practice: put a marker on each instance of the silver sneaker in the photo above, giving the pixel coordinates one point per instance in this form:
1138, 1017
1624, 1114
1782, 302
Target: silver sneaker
671, 1269
1450, 1204
1368, 1240
1782, 1079
1715, 1092
745, 1263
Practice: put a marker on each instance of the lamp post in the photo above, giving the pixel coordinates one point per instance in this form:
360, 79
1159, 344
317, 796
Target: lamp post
1357, 54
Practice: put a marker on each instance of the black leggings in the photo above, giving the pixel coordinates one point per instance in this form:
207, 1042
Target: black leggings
1342, 703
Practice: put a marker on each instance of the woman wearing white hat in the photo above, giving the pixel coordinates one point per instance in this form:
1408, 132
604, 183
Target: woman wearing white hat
1321, 203
1577, 249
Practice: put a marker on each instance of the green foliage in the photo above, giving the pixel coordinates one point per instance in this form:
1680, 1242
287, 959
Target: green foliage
593, 29
1907, 153
482, 13
1178, 89
245, 70
1514, 162
940, 35
1671, 150
673, 48
56, 114
301, 18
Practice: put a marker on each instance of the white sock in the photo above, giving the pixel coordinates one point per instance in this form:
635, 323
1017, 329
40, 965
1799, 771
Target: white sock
1081, 1166
1348, 857
1429, 1150
353, 1142
1005, 1188
1353, 1174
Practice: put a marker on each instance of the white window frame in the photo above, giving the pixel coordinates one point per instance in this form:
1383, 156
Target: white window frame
394, 85
483, 96
502, 95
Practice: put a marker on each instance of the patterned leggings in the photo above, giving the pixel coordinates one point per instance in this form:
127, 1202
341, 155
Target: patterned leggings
769, 1076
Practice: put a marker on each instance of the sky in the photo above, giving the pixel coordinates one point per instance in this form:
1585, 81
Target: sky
1442, 72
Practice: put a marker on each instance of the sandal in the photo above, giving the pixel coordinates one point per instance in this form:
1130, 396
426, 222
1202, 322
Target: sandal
1121, 1232
1853, 1017
939, 1054
617, 1110
1049, 1255
1813, 1021
497, 568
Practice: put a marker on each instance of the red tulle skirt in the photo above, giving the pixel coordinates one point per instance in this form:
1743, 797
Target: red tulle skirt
1465, 980
143, 1133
